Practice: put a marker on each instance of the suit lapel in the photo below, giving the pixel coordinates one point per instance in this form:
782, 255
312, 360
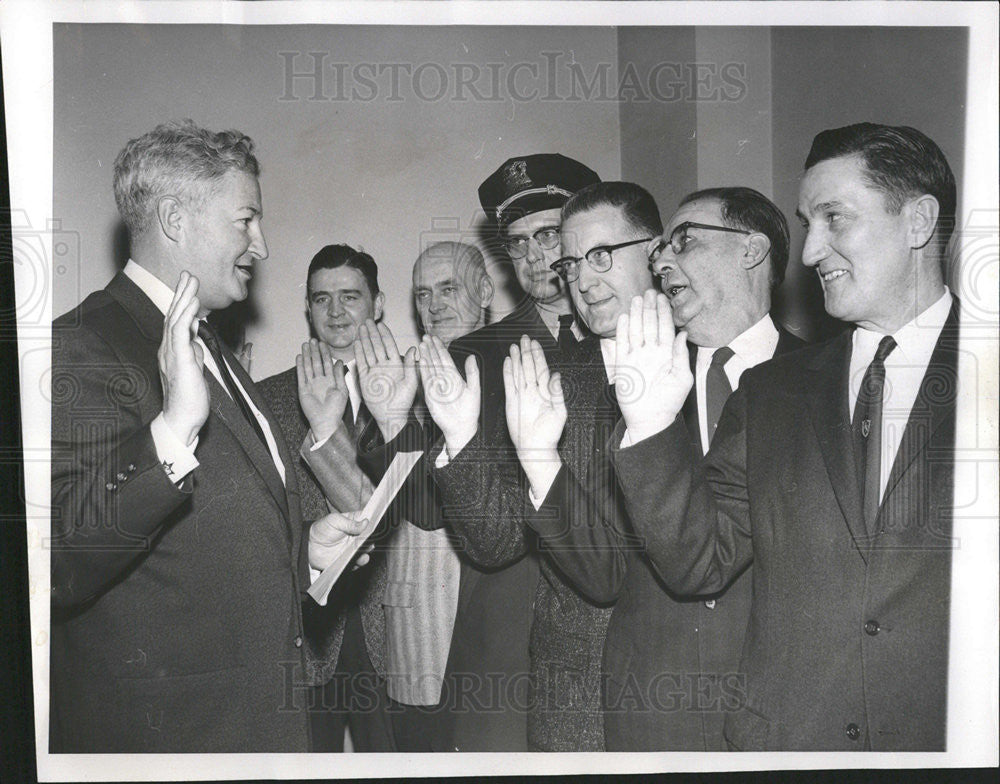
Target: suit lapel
149, 321
930, 409
826, 394
258, 454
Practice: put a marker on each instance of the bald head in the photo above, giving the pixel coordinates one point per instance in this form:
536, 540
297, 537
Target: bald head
452, 289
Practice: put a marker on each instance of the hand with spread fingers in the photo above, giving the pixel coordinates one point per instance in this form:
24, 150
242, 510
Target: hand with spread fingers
326, 536
182, 363
388, 383
652, 371
452, 401
536, 411
322, 389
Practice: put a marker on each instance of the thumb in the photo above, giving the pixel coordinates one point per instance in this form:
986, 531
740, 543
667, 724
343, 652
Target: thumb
246, 356
410, 362
472, 374
680, 351
199, 355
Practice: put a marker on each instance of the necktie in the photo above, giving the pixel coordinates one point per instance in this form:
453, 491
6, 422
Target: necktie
211, 341
355, 425
717, 388
566, 339
867, 427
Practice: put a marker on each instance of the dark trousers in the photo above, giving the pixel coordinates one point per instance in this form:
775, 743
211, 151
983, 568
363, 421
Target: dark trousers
416, 727
354, 697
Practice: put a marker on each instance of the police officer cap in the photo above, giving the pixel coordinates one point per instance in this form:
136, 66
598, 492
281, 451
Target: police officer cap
532, 183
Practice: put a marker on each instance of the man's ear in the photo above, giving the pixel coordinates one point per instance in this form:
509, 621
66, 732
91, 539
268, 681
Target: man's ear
923, 214
170, 215
378, 306
758, 246
486, 291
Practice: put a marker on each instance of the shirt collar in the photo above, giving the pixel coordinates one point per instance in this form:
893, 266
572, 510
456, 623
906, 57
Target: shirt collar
754, 345
159, 292
915, 340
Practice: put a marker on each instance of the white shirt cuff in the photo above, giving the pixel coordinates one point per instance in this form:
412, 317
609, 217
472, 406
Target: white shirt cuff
171, 451
551, 472
442, 459
626, 440
317, 444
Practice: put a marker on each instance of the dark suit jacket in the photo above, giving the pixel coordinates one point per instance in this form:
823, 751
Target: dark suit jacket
848, 637
670, 664
484, 503
176, 610
362, 588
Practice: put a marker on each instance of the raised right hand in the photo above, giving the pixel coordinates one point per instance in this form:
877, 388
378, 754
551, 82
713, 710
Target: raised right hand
652, 373
388, 384
181, 363
323, 393
452, 401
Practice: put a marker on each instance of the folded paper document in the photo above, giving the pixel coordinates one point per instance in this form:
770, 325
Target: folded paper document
373, 512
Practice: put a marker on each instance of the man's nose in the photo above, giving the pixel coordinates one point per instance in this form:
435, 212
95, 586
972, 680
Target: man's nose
816, 248
588, 277
535, 252
258, 245
665, 262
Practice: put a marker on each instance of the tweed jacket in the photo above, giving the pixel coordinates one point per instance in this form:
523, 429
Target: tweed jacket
343, 490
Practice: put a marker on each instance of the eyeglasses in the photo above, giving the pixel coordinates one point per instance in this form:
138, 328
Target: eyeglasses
599, 259
679, 240
547, 238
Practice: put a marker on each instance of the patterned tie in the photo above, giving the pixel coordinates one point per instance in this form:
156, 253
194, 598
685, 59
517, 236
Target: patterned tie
717, 388
566, 339
867, 427
211, 341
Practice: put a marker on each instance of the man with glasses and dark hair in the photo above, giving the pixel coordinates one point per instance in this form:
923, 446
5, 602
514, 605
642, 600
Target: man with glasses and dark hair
832, 468
670, 667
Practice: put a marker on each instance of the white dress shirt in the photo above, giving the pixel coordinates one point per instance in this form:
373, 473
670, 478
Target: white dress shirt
169, 448
751, 347
905, 368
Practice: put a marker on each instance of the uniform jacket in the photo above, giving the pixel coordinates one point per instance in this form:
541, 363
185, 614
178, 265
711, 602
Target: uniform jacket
176, 610
848, 637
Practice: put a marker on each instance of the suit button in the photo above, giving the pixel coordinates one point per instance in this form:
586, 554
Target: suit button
710, 604
298, 642
872, 628
110, 486
121, 477
131, 467
853, 731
